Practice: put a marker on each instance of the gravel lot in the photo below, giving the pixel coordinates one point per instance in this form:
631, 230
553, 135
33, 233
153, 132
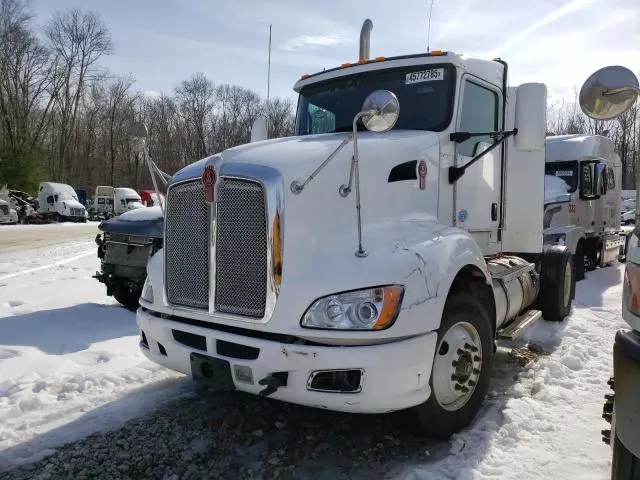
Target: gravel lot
234, 435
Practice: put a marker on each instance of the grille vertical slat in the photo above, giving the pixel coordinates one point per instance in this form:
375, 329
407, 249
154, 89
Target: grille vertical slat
241, 248
187, 246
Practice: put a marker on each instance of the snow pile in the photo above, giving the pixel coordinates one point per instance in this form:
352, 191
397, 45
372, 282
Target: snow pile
69, 358
555, 189
547, 423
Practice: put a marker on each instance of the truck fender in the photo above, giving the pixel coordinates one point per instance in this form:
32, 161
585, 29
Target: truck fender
569, 236
450, 255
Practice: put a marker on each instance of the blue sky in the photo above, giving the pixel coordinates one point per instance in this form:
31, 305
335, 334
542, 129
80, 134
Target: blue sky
161, 42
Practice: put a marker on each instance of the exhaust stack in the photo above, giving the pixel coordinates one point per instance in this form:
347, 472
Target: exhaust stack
365, 39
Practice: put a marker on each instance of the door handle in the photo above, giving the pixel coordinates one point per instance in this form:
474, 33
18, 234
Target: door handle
494, 212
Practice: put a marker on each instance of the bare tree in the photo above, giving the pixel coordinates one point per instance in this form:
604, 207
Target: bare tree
195, 101
78, 40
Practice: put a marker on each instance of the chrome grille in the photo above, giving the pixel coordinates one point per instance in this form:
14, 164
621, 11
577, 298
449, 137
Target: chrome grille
241, 248
77, 212
187, 246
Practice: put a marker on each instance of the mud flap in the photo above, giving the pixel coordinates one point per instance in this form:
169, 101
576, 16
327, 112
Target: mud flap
214, 372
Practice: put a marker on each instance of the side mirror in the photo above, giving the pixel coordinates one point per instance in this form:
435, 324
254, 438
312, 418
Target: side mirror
380, 111
609, 92
531, 117
259, 130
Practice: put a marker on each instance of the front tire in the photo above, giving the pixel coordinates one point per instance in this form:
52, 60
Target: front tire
127, 297
461, 368
557, 284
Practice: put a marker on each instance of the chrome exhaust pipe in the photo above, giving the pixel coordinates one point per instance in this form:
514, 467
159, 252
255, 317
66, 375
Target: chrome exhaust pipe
365, 39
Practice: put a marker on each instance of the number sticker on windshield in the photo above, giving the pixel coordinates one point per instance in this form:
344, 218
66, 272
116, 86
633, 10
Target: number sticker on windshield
425, 76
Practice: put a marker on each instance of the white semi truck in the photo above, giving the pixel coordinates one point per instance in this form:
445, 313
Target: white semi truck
368, 263
586, 217
109, 201
59, 202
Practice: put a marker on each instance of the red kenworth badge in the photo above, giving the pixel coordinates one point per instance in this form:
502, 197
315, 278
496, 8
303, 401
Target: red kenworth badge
422, 173
209, 181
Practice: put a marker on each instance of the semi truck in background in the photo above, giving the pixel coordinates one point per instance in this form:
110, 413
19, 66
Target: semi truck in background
112, 201
59, 202
582, 200
605, 95
372, 278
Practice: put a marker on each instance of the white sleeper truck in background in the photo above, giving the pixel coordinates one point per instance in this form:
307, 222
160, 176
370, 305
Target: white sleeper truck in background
368, 263
586, 217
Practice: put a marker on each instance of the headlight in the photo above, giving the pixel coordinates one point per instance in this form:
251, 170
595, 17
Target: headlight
147, 291
368, 309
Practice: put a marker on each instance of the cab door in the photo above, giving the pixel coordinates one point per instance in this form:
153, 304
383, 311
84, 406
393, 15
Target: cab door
477, 194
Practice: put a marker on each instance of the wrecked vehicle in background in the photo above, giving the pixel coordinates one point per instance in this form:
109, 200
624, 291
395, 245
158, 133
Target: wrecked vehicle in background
129, 240
8, 216
124, 247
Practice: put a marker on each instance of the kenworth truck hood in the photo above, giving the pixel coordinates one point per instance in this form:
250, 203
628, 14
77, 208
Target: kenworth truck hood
388, 176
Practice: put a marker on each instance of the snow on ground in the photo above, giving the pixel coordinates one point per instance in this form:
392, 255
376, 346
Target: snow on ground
65, 349
547, 423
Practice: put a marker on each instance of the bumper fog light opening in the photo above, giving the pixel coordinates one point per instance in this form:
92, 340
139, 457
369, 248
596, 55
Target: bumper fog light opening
336, 381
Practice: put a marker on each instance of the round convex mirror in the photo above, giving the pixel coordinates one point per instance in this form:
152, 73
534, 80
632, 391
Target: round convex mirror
608, 92
382, 111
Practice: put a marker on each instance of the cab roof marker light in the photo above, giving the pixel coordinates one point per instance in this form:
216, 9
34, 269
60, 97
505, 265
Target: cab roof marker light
304, 75
437, 53
379, 59
345, 65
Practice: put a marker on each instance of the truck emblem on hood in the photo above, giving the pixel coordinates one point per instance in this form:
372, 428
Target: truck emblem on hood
209, 181
422, 173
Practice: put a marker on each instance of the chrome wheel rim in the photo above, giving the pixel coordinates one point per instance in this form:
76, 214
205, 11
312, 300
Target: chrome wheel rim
457, 366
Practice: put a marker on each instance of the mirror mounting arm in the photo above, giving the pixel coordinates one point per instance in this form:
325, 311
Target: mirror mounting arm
456, 172
297, 187
614, 91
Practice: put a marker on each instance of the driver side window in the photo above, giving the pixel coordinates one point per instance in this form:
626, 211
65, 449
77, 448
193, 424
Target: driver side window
479, 114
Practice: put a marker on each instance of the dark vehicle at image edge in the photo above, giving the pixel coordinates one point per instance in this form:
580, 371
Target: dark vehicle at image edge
124, 248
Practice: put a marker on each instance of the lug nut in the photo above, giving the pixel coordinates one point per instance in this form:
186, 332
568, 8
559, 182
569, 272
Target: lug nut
610, 382
608, 408
607, 416
470, 347
464, 389
471, 383
454, 377
476, 358
461, 352
609, 397
454, 363
476, 371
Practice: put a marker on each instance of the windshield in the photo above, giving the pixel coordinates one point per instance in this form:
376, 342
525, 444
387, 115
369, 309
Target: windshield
567, 171
425, 94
